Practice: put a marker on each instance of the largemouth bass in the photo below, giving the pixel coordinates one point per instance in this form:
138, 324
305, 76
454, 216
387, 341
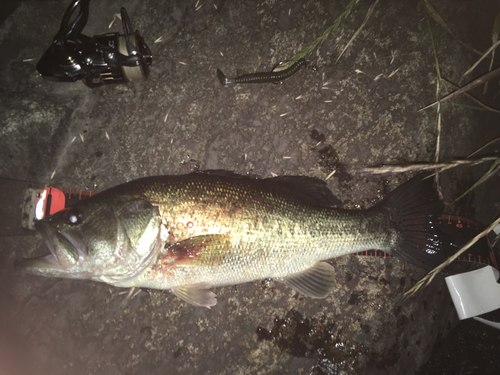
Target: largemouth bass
191, 232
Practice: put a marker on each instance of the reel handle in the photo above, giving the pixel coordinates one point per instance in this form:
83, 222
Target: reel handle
71, 31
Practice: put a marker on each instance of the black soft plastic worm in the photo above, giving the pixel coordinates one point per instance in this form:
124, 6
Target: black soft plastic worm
262, 77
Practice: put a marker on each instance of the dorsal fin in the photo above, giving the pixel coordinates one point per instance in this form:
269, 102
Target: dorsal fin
224, 173
309, 189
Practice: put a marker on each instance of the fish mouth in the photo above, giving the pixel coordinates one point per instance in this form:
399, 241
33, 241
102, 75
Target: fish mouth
67, 254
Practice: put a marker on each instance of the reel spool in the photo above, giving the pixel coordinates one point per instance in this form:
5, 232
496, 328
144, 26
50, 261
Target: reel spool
131, 73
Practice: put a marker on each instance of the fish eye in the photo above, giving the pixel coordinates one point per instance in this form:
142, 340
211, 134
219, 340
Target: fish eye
74, 216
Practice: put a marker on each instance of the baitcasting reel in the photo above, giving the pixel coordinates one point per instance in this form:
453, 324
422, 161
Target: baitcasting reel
107, 58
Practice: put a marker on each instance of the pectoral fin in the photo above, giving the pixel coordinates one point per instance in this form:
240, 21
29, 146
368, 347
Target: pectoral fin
196, 294
200, 251
315, 282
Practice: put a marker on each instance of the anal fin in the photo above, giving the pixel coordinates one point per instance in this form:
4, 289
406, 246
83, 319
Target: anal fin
196, 294
315, 282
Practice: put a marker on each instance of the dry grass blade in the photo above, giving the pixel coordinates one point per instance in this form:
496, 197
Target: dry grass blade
467, 87
438, 109
489, 173
424, 166
436, 156
496, 29
436, 60
485, 177
443, 24
427, 279
494, 39
368, 15
491, 49
483, 147
495, 240
320, 40
471, 97
438, 138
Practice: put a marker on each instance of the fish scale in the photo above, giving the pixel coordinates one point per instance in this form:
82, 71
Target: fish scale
261, 250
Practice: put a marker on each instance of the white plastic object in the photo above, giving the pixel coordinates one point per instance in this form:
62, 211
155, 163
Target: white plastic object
488, 322
475, 293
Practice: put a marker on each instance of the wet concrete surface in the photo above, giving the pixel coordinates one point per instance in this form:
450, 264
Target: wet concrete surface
357, 112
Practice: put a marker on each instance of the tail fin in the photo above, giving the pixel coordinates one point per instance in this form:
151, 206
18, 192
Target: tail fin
414, 209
